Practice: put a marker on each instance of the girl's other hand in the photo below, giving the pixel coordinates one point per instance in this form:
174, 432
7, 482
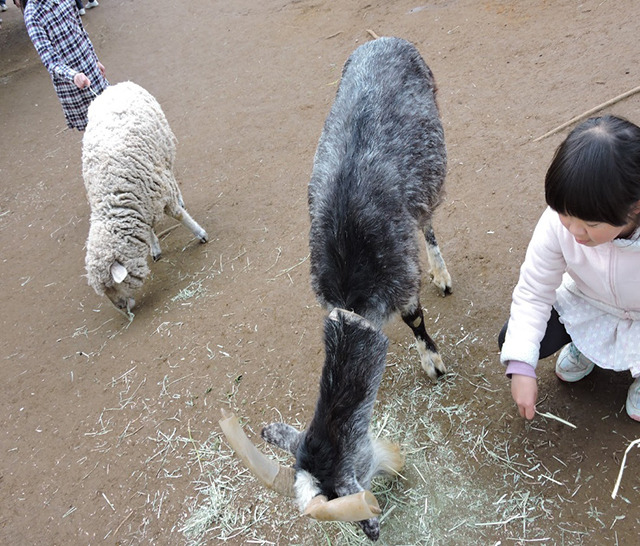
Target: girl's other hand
524, 390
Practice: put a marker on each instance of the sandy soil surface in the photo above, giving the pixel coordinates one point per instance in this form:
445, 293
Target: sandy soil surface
110, 430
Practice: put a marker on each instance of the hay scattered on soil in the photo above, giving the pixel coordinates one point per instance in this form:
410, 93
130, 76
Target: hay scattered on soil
447, 442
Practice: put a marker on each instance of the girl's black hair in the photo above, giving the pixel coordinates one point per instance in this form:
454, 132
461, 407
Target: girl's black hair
595, 173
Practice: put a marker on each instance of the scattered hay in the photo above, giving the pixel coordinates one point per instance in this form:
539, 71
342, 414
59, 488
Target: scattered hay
464, 481
229, 504
438, 499
193, 290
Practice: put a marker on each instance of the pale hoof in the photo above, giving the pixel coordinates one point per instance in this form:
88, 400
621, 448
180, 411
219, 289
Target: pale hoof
433, 366
442, 280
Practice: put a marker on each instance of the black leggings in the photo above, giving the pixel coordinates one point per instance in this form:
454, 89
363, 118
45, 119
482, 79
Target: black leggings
554, 339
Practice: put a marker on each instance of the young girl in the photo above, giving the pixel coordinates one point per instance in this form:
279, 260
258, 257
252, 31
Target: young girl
579, 285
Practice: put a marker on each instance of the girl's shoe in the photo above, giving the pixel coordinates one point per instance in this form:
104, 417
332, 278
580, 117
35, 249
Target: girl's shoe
633, 400
572, 365
92, 4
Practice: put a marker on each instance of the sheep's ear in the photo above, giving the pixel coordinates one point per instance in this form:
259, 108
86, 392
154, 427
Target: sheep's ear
118, 272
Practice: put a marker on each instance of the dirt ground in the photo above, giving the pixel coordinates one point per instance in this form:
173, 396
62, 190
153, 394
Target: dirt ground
110, 430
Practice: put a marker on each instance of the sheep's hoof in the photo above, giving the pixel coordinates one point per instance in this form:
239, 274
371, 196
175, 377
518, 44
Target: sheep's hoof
447, 291
204, 237
156, 257
433, 366
442, 280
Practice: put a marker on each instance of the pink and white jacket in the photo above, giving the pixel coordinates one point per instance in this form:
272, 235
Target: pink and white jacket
606, 277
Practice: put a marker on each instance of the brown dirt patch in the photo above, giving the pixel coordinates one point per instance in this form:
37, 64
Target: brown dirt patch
110, 430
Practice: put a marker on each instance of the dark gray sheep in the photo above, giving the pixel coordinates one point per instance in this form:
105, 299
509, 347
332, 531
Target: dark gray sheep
377, 178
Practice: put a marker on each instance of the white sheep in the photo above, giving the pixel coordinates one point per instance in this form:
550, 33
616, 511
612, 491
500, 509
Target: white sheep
128, 151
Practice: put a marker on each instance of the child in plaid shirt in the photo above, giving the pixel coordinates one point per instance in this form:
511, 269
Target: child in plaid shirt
56, 31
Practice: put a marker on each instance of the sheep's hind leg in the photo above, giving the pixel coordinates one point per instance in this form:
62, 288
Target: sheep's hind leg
187, 221
156, 252
438, 269
180, 199
429, 357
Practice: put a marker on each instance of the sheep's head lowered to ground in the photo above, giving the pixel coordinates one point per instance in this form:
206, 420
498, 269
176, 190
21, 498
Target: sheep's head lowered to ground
114, 269
336, 458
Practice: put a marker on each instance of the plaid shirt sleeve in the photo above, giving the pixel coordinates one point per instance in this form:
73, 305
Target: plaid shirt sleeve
57, 33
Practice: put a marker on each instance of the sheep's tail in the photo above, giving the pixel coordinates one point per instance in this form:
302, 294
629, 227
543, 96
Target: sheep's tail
389, 458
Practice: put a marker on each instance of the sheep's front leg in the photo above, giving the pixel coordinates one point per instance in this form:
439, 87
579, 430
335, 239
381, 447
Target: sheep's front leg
181, 214
429, 357
437, 268
156, 251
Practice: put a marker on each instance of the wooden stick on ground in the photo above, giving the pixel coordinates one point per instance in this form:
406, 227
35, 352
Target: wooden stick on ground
589, 112
167, 231
373, 34
624, 459
123, 522
551, 416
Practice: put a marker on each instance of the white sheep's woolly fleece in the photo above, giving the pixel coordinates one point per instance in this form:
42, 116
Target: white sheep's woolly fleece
128, 151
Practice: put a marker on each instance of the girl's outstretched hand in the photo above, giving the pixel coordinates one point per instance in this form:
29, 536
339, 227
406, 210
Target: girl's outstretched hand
524, 390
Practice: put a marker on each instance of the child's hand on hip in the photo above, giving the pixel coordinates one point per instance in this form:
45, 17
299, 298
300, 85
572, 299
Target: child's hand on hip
524, 390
